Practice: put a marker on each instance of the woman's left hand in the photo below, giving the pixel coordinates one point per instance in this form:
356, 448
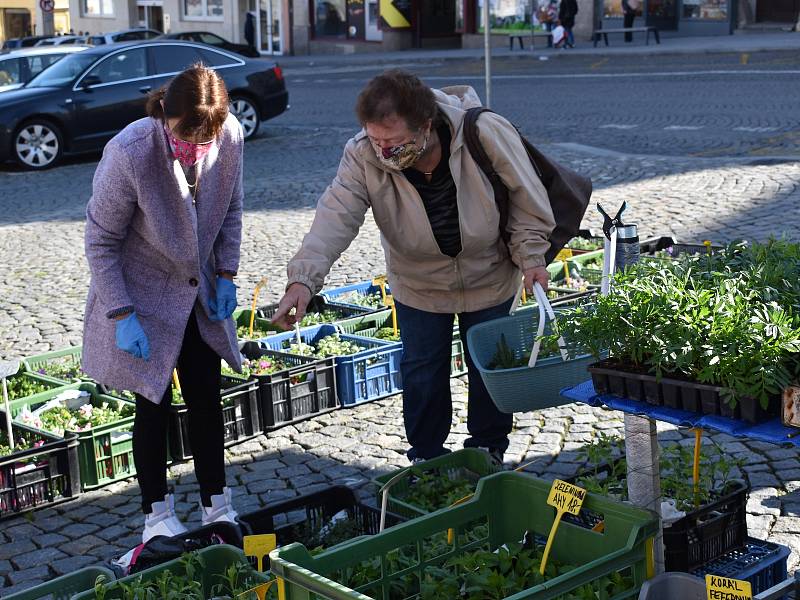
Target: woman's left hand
535, 274
224, 304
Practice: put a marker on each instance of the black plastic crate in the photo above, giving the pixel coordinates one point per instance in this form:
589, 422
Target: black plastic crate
313, 512
239, 413
39, 476
761, 563
306, 389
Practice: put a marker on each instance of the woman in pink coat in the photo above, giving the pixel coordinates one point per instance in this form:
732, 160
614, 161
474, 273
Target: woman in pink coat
163, 228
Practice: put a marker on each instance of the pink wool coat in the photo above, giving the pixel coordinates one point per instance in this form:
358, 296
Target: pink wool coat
143, 252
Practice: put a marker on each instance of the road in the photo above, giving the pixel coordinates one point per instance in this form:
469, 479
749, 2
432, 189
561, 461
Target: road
701, 147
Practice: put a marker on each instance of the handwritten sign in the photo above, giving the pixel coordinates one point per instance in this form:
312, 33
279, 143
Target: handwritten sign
260, 546
722, 588
565, 498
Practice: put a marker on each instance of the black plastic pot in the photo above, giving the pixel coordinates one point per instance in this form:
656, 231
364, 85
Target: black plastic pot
653, 392
600, 383
726, 410
690, 398
751, 410
709, 401
616, 385
671, 394
634, 388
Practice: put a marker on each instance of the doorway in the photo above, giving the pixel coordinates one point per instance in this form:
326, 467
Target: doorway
371, 28
151, 14
662, 14
269, 27
777, 11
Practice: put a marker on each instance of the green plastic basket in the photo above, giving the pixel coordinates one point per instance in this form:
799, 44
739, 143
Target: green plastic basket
48, 383
505, 507
470, 463
68, 358
242, 318
64, 587
523, 389
216, 558
105, 453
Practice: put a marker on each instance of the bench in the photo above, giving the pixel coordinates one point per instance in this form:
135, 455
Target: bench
532, 34
647, 30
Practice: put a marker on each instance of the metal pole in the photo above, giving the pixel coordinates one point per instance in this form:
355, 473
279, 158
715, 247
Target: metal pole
487, 48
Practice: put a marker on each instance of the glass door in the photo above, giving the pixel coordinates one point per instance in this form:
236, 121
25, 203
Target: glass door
371, 30
269, 26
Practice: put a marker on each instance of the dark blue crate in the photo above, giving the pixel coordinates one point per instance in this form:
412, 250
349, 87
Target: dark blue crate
368, 375
761, 563
365, 288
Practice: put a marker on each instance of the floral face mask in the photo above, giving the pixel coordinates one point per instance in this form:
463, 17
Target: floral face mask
401, 156
187, 153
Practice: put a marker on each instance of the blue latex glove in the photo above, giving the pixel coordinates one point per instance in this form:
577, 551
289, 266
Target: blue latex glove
131, 338
224, 304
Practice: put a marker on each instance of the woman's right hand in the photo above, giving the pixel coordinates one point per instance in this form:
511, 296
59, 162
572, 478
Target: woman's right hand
297, 296
131, 338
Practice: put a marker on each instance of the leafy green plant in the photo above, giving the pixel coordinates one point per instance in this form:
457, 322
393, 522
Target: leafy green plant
59, 419
22, 386
331, 345
434, 489
374, 300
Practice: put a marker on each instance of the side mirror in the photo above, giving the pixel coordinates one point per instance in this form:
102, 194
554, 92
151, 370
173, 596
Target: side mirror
89, 81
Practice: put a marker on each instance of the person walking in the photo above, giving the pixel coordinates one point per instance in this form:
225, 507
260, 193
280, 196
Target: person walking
250, 29
629, 10
566, 16
163, 229
440, 231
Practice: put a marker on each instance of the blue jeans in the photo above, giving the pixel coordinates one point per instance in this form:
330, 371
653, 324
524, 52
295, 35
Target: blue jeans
425, 368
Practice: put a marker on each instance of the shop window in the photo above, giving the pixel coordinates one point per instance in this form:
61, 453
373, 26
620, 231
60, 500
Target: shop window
506, 15
98, 8
203, 9
612, 8
330, 18
705, 9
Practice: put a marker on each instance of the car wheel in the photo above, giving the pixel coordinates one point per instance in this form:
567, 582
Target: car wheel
38, 144
245, 111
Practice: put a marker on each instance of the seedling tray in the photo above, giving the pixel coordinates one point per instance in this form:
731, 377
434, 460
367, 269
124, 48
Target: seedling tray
761, 563
505, 507
38, 477
217, 559
64, 587
239, 416
242, 318
318, 304
304, 390
368, 375
68, 358
288, 519
335, 296
468, 463
105, 453
47, 383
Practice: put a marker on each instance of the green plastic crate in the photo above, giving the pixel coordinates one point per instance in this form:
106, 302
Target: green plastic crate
68, 357
506, 507
242, 318
217, 559
471, 463
64, 587
48, 383
105, 453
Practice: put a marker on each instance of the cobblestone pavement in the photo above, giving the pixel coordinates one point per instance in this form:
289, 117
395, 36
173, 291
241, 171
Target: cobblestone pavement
44, 282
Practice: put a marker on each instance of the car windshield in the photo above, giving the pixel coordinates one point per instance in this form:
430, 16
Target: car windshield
65, 71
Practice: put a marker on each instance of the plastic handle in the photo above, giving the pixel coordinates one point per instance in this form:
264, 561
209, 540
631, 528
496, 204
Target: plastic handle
518, 297
545, 311
609, 261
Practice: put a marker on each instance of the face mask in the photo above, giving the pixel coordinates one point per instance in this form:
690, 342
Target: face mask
402, 156
187, 153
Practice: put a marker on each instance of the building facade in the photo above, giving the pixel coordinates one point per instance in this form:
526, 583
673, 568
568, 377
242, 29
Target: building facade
19, 18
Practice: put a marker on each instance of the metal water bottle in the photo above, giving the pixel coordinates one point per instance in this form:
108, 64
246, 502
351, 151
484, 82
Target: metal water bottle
627, 245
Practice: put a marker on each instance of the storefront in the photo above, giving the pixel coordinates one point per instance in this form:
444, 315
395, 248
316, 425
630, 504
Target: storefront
687, 17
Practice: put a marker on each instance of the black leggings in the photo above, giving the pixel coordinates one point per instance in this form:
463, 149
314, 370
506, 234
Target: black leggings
199, 376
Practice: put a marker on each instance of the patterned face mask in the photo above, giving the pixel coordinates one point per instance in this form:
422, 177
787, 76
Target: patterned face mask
401, 156
187, 153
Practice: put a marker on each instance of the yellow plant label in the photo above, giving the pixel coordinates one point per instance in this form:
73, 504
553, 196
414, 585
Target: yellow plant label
389, 300
260, 546
379, 280
565, 497
564, 254
722, 588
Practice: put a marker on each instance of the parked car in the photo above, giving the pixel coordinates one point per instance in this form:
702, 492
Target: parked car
83, 100
62, 40
137, 34
23, 42
212, 39
18, 67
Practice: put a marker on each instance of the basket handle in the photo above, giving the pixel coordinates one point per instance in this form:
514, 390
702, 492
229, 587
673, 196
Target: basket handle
545, 311
517, 298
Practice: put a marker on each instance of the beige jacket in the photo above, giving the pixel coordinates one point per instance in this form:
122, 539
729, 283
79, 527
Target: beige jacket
420, 276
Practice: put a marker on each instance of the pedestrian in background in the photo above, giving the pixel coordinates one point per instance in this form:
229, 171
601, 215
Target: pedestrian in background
548, 16
250, 29
566, 16
163, 229
439, 225
629, 10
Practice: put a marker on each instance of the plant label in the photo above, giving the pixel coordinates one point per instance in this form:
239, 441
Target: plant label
565, 497
722, 588
564, 254
260, 546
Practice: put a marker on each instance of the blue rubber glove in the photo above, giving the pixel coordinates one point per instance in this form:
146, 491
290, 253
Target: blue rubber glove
224, 304
131, 338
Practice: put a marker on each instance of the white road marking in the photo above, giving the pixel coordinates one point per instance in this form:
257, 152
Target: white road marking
756, 129
683, 127
618, 126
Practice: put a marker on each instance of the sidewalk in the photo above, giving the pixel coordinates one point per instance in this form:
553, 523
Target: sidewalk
739, 43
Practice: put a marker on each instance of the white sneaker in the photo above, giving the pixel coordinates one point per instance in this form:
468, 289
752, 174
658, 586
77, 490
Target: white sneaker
221, 510
162, 520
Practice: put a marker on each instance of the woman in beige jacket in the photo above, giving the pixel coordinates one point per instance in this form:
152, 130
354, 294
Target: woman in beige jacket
439, 227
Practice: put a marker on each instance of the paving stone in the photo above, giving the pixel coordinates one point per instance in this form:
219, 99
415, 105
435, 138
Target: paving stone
37, 557
50, 539
52, 523
5, 567
22, 532
79, 530
12, 549
82, 545
112, 533
73, 563
258, 487
25, 585
762, 479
